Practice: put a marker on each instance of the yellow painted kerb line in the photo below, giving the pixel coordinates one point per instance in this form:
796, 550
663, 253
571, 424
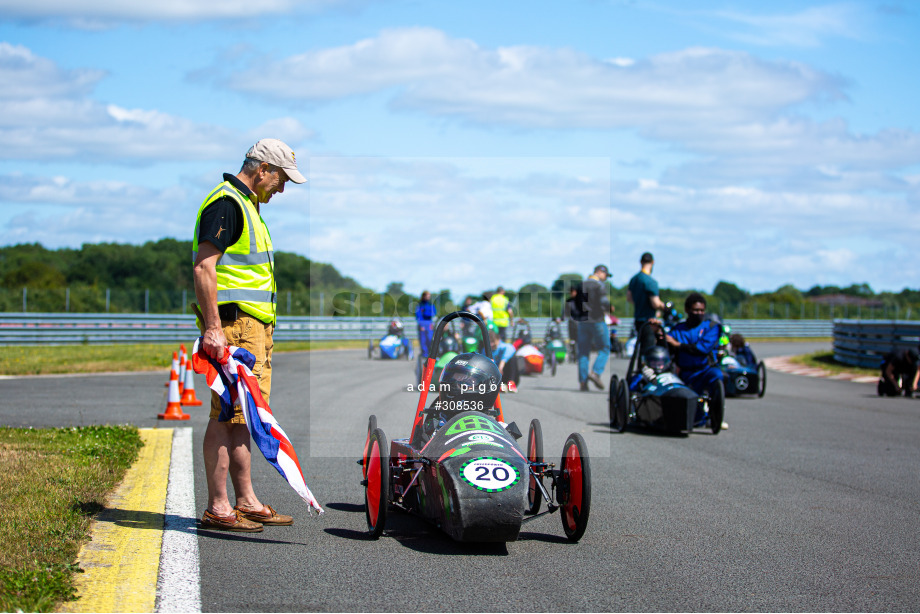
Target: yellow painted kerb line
123, 558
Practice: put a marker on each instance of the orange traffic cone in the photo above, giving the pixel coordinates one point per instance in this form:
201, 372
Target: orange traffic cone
173, 406
188, 394
175, 368
181, 373
184, 363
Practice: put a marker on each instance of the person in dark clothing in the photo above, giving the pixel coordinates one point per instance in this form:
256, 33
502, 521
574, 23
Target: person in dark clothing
643, 293
573, 312
592, 331
899, 373
425, 315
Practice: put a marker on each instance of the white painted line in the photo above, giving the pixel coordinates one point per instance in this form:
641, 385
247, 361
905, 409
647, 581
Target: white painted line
179, 582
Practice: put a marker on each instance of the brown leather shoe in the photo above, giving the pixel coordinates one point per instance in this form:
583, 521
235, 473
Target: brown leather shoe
233, 522
268, 515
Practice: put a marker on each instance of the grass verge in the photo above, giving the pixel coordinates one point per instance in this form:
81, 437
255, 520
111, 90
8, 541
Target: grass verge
57, 359
52, 482
825, 360
47, 360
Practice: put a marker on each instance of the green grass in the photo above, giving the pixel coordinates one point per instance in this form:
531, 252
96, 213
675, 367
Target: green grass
45, 360
825, 360
52, 482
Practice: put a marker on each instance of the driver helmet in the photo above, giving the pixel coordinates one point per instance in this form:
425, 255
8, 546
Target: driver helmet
449, 344
395, 326
469, 382
657, 358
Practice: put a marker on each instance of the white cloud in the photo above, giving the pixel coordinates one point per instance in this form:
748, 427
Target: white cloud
703, 235
62, 212
92, 14
47, 114
806, 28
733, 110
430, 222
27, 76
543, 87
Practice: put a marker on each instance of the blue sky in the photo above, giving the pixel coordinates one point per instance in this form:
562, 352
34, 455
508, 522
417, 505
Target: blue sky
467, 145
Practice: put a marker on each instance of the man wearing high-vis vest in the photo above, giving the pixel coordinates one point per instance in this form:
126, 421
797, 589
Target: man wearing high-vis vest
235, 286
502, 314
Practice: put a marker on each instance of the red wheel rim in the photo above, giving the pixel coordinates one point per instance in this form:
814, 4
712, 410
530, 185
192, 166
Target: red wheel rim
373, 483
364, 463
574, 471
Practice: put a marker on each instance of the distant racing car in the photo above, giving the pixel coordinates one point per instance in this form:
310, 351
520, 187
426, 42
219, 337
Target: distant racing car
652, 396
394, 344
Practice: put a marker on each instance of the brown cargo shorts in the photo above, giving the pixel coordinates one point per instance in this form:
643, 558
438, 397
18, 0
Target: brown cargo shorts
254, 335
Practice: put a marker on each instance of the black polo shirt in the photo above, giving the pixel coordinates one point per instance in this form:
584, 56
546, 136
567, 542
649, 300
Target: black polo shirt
222, 221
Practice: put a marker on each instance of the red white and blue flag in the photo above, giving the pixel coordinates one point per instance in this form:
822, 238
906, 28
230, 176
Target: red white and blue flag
235, 384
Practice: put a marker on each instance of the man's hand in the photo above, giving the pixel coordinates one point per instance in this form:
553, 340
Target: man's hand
214, 343
671, 341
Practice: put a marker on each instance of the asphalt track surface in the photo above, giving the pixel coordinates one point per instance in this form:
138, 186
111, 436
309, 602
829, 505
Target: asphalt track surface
808, 502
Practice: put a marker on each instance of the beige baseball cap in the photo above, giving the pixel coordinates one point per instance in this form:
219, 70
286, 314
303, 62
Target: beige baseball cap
277, 153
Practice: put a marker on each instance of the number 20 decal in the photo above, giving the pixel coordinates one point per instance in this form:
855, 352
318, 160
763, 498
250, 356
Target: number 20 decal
490, 474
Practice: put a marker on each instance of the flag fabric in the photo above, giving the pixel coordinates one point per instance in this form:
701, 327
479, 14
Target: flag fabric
234, 383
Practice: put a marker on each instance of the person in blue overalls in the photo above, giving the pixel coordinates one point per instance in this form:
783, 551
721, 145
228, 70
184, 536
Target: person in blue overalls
693, 342
425, 316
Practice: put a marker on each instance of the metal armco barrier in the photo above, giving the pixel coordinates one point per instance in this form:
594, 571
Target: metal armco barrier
863, 343
96, 328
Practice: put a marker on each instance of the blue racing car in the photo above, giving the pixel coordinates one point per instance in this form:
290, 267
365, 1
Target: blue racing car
652, 396
394, 344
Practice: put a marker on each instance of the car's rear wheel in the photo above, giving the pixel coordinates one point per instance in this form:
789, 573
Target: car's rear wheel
612, 400
552, 361
370, 349
377, 484
534, 455
761, 379
575, 478
716, 407
623, 406
371, 427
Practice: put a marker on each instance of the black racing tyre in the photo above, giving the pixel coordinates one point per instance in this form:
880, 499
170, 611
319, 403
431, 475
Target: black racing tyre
371, 427
534, 455
370, 349
552, 362
613, 389
575, 478
761, 379
717, 407
623, 407
377, 484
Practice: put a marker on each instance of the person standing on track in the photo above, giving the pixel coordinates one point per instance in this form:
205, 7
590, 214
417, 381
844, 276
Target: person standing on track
643, 293
592, 331
235, 287
425, 315
502, 313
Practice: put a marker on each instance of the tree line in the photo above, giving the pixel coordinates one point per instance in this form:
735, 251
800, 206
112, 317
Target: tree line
156, 277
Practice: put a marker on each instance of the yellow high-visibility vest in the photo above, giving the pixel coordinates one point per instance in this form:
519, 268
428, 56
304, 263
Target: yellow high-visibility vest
500, 310
245, 274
